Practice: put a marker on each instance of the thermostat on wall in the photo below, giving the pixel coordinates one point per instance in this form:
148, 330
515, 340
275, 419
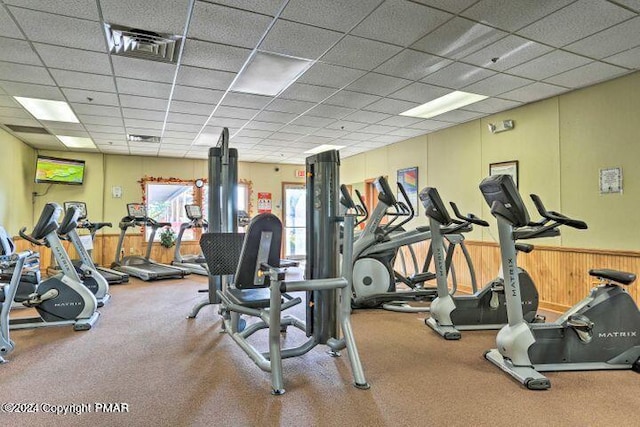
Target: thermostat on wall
116, 192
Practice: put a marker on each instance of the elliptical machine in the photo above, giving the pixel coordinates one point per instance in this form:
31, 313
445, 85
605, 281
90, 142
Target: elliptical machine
484, 309
600, 332
61, 299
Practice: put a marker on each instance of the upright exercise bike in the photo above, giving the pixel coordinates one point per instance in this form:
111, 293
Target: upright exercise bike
484, 309
600, 332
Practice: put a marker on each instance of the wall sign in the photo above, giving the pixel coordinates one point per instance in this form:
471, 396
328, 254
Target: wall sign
300, 173
264, 203
610, 180
505, 168
408, 177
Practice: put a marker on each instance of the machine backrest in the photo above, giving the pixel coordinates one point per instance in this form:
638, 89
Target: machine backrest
69, 220
47, 222
503, 198
262, 244
434, 207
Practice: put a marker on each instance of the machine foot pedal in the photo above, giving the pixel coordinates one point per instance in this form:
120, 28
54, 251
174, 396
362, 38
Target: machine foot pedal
636, 366
364, 386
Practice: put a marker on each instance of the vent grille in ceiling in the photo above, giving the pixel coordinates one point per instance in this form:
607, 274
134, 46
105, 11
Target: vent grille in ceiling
143, 138
144, 44
28, 129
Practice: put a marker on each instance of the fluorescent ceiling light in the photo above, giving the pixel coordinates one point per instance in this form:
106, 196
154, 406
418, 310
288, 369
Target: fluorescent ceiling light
45, 109
269, 73
324, 147
76, 141
449, 102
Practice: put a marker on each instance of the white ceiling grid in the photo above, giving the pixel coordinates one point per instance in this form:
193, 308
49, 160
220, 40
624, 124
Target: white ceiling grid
373, 59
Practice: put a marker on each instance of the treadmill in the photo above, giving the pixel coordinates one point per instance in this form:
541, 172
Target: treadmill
143, 267
113, 277
195, 263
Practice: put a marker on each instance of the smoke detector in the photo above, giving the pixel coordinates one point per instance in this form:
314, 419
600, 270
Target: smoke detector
138, 43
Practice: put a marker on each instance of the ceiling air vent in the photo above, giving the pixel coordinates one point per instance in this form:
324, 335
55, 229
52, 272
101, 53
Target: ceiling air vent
28, 129
144, 44
143, 138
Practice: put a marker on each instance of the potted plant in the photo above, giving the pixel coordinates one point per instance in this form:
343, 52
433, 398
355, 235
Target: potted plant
168, 237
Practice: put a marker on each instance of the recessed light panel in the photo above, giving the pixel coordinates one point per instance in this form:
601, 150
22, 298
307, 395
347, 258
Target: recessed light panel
76, 141
46, 109
270, 73
449, 102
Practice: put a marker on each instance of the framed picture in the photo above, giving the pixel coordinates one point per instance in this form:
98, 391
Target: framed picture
505, 168
408, 177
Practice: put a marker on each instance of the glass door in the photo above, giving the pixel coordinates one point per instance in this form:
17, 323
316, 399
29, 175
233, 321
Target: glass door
294, 213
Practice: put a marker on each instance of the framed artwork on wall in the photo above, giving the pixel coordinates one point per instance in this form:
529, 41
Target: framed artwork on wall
408, 177
505, 168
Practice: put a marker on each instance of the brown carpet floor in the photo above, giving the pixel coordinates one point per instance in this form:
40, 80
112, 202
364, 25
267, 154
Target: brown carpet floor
177, 372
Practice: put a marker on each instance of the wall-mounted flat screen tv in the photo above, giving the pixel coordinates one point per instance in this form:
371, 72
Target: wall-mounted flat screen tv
53, 170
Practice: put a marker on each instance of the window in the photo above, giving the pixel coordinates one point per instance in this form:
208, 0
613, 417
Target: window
244, 191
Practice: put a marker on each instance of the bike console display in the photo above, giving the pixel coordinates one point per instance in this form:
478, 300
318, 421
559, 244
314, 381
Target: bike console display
137, 210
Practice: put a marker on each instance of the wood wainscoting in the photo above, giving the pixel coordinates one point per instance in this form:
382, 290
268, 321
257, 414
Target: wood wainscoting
104, 249
560, 274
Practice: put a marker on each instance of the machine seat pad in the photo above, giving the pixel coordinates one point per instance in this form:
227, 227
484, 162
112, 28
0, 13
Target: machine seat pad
422, 277
252, 298
621, 277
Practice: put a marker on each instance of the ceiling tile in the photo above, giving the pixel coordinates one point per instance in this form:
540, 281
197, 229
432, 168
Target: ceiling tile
629, 58
497, 84
299, 40
367, 117
283, 136
144, 103
237, 112
492, 105
8, 101
213, 55
430, 125
408, 133
46, 27
633, 4
275, 117
104, 129
453, 6
228, 122
360, 53
13, 50
73, 59
458, 38
511, 15
548, 65
78, 80
289, 106
586, 75
191, 108
254, 133
168, 133
144, 14
267, 7
612, 40
48, 142
391, 106
378, 129
347, 98
82, 96
25, 73
346, 125
316, 139
297, 129
187, 119
308, 120
132, 113
8, 28
330, 133
200, 77
143, 88
96, 110
578, 20
14, 112
75, 8
459, 116
358, 136
305, 92
399, 121
114, 137
141, 69
534, 92
400, 22
32, 90
322, 74
378, 84
193, 94
337, 15
89, 120
509, 51
457, 75
263, 126
330, 111
246, 100
419, 92
387, 139
232, 26
134, 125
412, 65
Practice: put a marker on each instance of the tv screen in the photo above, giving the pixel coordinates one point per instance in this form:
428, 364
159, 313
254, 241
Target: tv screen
53, 170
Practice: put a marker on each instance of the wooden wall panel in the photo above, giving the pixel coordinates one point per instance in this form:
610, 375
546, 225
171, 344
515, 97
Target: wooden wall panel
561, 274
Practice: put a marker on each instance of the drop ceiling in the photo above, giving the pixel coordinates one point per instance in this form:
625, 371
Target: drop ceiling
372, 60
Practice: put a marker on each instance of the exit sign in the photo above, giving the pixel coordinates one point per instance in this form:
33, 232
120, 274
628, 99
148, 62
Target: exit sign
300, 173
